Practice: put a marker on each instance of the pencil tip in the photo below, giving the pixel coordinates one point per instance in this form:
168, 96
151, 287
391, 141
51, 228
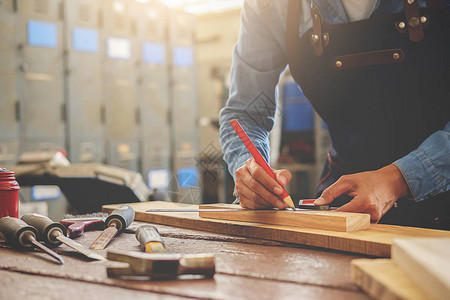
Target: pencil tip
288, 201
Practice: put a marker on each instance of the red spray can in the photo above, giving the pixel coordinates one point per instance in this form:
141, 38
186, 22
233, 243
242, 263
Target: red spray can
9, 194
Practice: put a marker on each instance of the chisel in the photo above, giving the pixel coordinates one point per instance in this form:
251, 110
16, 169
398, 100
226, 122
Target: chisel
22, 236
53, 234
150, 240
116, 223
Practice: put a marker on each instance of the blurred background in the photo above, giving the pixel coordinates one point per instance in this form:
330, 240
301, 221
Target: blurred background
137, 86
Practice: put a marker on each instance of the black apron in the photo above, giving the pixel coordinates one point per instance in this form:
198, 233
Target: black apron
382, 85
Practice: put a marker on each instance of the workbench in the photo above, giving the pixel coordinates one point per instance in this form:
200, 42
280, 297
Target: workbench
246, 268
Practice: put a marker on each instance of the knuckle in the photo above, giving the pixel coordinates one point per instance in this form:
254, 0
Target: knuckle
256, 172
344, 179
326, 192
253, 184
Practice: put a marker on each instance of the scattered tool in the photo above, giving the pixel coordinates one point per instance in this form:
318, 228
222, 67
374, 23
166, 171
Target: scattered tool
259, 159
116, 223
309, 204
76, 226
161, 266
54, 234
150, 240
22, 236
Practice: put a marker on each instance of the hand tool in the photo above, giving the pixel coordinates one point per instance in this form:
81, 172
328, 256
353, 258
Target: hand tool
53, 234
309, 204
116, 223
259, 159
77, 225
20, 235
161, 266
150, 240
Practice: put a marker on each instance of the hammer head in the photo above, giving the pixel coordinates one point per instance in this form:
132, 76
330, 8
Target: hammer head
160, 266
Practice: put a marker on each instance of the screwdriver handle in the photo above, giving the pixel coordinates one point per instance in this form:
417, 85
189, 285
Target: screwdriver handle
15, 231
146, 234
48, 230
122, 217
76, 228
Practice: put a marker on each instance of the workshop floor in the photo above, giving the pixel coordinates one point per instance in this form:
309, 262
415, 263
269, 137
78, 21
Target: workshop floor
245, 269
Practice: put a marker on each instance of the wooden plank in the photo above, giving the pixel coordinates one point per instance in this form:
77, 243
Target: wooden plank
383, 279
376, 240
427, 263
315, 219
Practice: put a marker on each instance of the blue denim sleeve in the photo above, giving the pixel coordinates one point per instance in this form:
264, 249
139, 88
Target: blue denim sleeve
258, 60
427, 169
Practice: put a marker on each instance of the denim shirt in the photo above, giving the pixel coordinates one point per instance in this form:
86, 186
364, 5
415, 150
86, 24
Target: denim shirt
259, 58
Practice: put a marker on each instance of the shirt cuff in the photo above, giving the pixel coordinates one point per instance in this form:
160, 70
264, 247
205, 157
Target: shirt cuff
419, 173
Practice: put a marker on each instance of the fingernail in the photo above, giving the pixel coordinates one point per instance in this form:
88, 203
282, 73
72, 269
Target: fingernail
283, 180
277, 190
319, 201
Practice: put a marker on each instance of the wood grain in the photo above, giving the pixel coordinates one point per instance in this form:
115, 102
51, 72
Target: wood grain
427, 263
383, 279
376, 240
315, 219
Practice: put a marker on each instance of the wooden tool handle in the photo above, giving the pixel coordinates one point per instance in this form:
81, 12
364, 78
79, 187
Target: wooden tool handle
197, 264
76, 228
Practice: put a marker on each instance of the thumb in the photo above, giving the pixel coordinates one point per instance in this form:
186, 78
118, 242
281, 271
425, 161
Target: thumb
332, 192
283, 177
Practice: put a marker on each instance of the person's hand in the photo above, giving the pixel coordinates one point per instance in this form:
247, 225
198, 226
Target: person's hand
257, 190
374, 192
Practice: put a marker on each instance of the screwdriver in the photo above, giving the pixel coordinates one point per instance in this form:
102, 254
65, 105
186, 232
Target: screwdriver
54, 234
22, 236
150, 240
115, 223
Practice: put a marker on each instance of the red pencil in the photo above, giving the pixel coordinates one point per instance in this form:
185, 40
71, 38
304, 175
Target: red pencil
259, 159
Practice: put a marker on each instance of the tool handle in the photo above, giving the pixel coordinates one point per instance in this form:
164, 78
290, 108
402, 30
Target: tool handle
76, 228
48, 230
146, 234
198, 264
122, 217
15, 231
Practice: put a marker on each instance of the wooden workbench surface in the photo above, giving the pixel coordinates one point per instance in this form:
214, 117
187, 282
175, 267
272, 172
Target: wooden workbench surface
246, 269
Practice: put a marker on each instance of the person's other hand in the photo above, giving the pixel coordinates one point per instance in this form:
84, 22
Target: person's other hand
374, 192
257, 190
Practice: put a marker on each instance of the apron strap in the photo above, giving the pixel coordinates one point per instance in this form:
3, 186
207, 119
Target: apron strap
292, 24
414, 25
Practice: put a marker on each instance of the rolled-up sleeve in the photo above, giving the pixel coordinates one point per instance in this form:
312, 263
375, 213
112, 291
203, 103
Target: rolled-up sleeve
258, 61
427, 169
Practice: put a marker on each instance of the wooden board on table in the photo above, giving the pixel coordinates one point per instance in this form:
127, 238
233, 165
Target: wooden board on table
315, 219
427, 263
383, 279
376, 240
